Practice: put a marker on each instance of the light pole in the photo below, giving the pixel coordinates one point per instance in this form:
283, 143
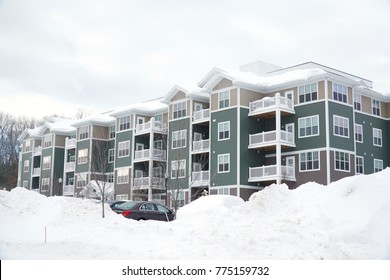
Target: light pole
166, 176
61, 189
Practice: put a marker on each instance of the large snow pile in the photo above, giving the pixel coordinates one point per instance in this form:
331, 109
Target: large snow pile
348, 219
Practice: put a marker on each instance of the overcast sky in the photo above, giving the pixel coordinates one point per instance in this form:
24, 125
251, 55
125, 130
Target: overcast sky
57, 56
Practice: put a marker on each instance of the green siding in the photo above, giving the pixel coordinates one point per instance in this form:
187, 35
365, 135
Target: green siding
121, 137
367, 149
26, 176
339, 142
58, 171
223, 147
83, 144
312, 109
47, 152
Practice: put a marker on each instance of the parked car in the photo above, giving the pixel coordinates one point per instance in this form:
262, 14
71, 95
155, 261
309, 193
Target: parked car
144, 210
114, 203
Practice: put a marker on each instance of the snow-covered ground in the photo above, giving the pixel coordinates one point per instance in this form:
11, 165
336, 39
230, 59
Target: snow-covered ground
350, 219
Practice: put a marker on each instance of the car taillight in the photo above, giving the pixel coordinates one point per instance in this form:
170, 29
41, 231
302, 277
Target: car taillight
126, 213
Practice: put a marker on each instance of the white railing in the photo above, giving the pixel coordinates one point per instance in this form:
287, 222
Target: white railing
38, 150
68, 189
201, 146
201, 115
200, 176
268, 103
151, 125
144, 182
70, 142
70, 166
269, 137
269, 172
145, 154
37, 171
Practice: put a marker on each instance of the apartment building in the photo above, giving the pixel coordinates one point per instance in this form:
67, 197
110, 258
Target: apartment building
236, 133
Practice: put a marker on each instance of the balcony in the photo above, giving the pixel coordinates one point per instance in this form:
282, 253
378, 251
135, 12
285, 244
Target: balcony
151, 126
38, 151
269, 173
68, 190
144, 155
69, 166
70, 143
268, 105
144, 183
202, 146
200, 178
266, 139
36, 171
201, 116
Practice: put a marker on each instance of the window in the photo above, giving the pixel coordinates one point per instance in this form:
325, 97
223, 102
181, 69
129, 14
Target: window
110, 177
223, 163
309, 161
179, 139
223, 191
340, 126
224, 131
308, 126
27, 145
47, 140
158, 118
82, 180
111, 155
123, 149
26, 167
122, 176
376, 109
359, 133
46, 163
84, 132
198, 107
341, 161
307, 93
178, 168
357, 102
377, 137
45, 184
179, 110
340, 93
112, 132
124, 123
224, 99
83, 156
359, 165
122, 197
378, 165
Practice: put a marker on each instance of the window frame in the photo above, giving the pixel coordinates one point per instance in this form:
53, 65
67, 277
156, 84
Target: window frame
120, 178
357, 102
375, 136
124, 123
82, 159
336, 124
179, 110
223, 162
359, 131
359, 166
179, 139
222, 125
46, 163
312, 93
47, 140
376, 162
376, 111
123, 149
347, 160
312, 160
335, 88
111, 155
26, 165
178, 168
224, 99
45, 184
305, 118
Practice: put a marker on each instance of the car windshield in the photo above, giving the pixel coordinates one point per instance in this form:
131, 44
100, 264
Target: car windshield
163, 209
127, 205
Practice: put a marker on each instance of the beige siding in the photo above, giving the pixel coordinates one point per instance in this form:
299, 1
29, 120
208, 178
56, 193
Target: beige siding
233, 97
60, 140
366, 104
179, 96
214, 99
170, 109
330, 90
384, 111
165, 117
131, 122
387, 105
350, 99
247, 96
321, 90
225, 83
100, 132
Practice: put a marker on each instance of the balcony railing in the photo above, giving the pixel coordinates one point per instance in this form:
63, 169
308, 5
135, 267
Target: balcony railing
142, 155
270, 103
70, 166
38, 150
202, 115
269, 172
144, 183
151, 125
201, 146
70, 143
200, 177
68, 190
37, 171
269, 138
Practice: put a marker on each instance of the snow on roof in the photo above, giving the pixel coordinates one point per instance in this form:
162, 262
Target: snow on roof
99, 119
149, 107
191, 91
59, 125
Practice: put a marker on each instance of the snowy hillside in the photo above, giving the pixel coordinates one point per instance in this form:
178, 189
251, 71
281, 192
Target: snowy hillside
347, 220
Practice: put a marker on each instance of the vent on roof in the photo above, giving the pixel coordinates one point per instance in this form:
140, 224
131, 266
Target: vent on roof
259, 67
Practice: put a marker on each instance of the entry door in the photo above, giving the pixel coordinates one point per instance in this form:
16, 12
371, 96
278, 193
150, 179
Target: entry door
290, 162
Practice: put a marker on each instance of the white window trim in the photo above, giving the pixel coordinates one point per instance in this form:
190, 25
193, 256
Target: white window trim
45, 185
356, 161
349, 161
357, 97
173, 109
288, 92
334, 126
109, 155
372, 107
379, 161
128, 149
312, 135
229, 98
26, 167
309, 151
342, 102
222, 124
299, 95
44, 167
179, 133
81, 157
359, 125
126, 177
179, 163
373, 137
120, 124
222, 156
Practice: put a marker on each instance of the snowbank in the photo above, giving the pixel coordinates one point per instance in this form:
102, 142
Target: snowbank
348, 219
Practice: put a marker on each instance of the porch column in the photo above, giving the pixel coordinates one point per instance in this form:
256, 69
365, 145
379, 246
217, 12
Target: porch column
278, 145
